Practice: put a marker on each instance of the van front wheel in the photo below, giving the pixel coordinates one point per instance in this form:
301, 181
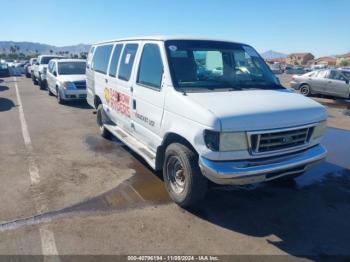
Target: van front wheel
101, 120
183, 179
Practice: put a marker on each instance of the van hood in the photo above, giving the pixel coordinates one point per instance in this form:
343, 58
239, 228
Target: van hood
259, 109
71, 78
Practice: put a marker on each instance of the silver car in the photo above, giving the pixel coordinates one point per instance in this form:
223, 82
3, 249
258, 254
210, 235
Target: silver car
333, 82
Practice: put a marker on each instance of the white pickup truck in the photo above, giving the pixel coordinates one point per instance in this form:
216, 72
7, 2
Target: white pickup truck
201, 109
39, 70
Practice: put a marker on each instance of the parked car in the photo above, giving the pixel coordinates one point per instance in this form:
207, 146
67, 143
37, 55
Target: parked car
276, 68
332, 82
28, 67
295, 70
238, 127
66, 79
4, 70
40, 69
318, 67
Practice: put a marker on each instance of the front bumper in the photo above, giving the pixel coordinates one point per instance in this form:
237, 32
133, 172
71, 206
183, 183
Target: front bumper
260, 170
294, 84
73, 94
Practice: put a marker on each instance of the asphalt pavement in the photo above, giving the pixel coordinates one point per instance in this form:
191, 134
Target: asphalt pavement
66, 190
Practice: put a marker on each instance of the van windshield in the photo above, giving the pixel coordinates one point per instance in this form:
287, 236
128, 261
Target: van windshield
46, 59
71, 68
212, 65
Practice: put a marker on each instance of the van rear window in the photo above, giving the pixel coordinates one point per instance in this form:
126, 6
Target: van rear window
127, 61
101, 58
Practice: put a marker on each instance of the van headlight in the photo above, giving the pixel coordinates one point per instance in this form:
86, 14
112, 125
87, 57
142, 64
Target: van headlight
319, 130
225, 141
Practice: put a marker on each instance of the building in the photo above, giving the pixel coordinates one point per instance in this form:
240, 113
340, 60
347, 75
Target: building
341, 58
325, 60
299, 58
277, 60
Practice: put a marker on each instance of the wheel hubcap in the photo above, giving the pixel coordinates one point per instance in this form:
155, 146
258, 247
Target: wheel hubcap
304, 90
176, 174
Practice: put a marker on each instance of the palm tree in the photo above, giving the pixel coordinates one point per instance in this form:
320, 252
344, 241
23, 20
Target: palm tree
13, 49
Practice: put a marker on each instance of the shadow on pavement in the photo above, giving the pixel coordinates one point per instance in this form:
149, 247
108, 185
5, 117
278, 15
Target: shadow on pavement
6, 104
3, 88
78, 104
304, 221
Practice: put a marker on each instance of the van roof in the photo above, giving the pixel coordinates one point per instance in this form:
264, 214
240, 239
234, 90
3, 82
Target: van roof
50, 56
69, 60
165, 38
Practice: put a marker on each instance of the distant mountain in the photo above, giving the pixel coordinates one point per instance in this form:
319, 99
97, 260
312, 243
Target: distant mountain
272, 55
30, 47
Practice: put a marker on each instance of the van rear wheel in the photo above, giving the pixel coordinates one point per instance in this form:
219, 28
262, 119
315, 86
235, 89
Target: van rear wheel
101, 120
183, 179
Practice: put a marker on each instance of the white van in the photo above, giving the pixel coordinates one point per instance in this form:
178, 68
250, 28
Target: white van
226, 120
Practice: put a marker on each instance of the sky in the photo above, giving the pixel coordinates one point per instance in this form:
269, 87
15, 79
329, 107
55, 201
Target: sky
318, 26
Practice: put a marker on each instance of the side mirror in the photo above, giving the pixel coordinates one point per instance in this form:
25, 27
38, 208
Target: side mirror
54, 73
347, 81
37, 63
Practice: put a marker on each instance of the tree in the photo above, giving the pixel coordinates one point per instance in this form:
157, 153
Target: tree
13, 49
344, 62
83, 55
51, 51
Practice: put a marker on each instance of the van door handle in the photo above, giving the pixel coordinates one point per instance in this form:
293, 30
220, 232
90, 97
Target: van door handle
134, 104
131, 89
106, 80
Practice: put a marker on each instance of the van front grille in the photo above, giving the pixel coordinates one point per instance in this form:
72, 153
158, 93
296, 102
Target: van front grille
80, 84
279, 140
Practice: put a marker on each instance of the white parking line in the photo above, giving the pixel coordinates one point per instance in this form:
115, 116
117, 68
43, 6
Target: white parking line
48, 244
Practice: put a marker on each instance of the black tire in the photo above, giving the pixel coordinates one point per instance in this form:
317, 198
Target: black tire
305, 90
42, 84
102, 119
49, 91
28, 75
193, 188
59, 97
35, 82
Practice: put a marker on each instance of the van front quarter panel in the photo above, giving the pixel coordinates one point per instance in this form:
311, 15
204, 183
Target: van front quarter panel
188, 120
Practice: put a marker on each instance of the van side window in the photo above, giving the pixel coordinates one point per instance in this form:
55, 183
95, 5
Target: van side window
115, 59
101, 58
151, 67
127, 61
